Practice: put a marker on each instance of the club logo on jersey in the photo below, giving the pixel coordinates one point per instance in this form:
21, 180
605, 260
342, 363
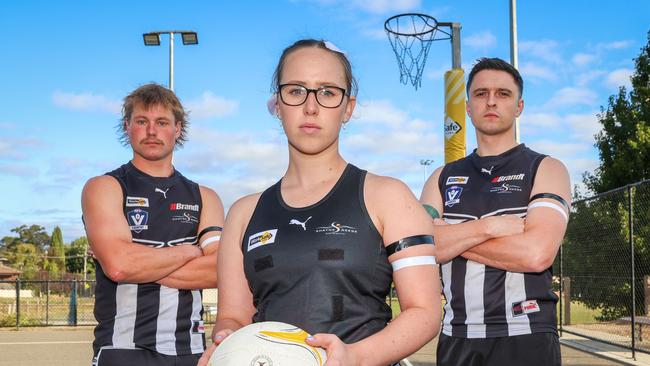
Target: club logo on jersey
186, 218
452, 195
505, 178
138, 220
505, 188
525, 307
262, 238
457, 180
183, 206
488, 171
336, 228
137, 201
301, 224
451, 128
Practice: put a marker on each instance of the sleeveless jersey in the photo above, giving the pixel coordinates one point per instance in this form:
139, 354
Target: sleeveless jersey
485, 302
323, 267
161, 212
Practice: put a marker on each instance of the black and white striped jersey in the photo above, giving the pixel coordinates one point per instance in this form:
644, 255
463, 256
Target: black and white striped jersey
161, 212
481, 301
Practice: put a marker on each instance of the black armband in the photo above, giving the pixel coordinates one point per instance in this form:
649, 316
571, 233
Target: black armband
552, 196
408, 242
207, 230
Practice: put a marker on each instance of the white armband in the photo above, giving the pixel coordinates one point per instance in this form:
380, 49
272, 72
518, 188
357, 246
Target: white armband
552, 205
413, 261
210, 240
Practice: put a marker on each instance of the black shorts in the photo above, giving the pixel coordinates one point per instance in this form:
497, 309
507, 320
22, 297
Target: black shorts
141, 357
541, 349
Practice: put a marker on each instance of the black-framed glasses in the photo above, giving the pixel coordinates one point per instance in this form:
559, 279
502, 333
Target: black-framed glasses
327, 96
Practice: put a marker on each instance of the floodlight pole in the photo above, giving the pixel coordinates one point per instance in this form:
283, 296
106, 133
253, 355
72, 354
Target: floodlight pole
153, 39
425, 163
514, 61
171, 61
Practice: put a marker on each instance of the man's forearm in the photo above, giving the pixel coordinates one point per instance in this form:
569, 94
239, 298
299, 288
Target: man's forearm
198, 273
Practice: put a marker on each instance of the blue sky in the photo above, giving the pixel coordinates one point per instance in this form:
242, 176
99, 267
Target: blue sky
66, 65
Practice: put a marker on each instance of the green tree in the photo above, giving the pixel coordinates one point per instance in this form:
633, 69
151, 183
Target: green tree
624, 141
75, 253
34, 234
55, 262
25, 258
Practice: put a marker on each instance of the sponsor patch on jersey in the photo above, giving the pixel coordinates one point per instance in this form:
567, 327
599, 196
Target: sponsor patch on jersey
525, 307
505, 188
506, 178
185, 218
451, 128
336, 228
452, 195
183, 206
457, 180
198, 327
262, 238
138, 220
137, 201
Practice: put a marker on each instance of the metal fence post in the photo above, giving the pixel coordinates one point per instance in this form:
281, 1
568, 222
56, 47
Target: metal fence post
631, 240
47, 302
18, 303
561, 291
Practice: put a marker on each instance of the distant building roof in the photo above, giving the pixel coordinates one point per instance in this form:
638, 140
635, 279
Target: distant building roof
6, 270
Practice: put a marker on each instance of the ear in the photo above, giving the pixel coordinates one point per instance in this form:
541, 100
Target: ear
469, 112
178, 129
349, 107
520, 107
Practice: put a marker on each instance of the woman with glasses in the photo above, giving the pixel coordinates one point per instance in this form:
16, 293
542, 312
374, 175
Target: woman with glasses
320, 248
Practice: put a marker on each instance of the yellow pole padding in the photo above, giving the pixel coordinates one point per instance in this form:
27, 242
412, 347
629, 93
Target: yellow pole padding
454, 115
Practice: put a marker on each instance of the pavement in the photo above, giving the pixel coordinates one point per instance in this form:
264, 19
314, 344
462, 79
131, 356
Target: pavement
63, 346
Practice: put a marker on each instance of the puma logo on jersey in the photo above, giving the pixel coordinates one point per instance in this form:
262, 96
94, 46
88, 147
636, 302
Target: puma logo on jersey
164, 193
303, 224
483, 170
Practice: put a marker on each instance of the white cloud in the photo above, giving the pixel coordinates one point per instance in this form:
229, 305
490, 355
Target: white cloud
582, 59
560, 150
616, 45
482, 40
572, 96
586, 77
618, 78
544, 49
380, 112
18, 148
210, 105
584, 126
19, 170
386, 6
543, 120
86, 102
533, 70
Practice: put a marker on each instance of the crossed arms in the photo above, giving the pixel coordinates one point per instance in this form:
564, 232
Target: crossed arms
181, 267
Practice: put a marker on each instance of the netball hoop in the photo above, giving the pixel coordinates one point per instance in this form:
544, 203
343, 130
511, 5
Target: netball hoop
410, 36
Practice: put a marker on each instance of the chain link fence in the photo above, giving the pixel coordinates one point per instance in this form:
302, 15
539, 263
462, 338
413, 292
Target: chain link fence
604, 268
57, 303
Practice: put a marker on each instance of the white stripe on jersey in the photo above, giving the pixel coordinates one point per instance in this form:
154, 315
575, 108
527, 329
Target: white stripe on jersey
474, 307
516, 292
166, 321
126, 298
521, 211
196, 339
189, 240
449, 313
460, 216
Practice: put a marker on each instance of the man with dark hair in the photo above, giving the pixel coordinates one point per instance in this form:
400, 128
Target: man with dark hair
510, 205
154, 234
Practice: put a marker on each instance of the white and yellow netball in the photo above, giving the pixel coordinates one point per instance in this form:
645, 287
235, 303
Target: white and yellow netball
267, 344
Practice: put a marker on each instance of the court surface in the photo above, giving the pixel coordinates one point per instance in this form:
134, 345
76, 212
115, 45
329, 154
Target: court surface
72, 347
